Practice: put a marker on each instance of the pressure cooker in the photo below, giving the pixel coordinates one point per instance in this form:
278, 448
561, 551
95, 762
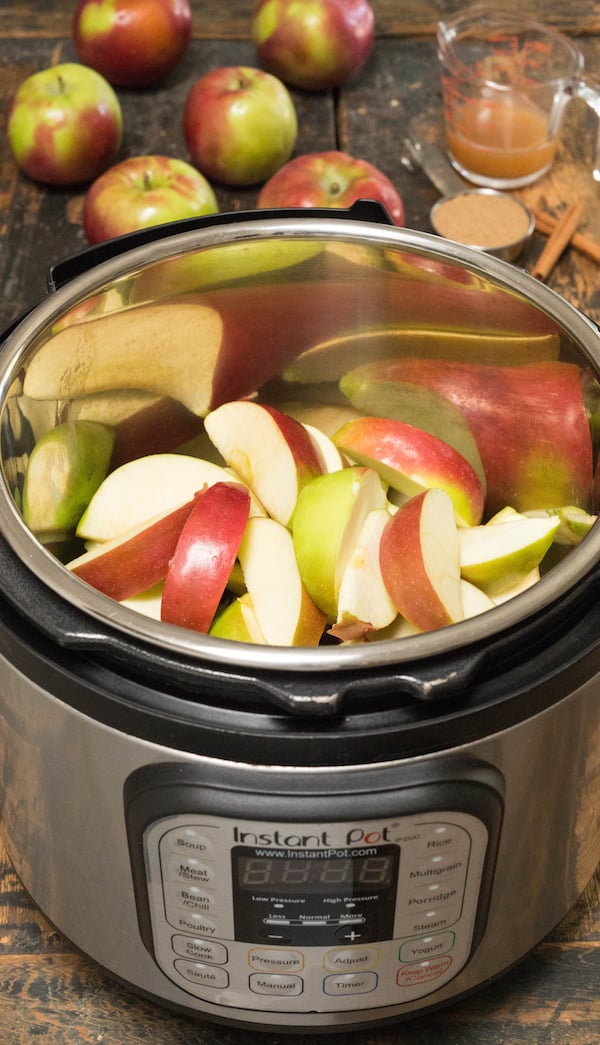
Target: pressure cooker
291, 838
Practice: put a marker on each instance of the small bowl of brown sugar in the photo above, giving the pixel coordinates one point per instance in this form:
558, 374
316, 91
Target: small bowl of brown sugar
486, 219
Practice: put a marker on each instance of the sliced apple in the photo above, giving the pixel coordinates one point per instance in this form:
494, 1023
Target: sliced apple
496, 557
330, 458
284, 610
419, 406
575, 522
327, 417
65, 469
204, 557
141, 489
521, 585
474, 600
238, 622
136, 560
363, 596
271, 452
419, 558
326, 526
411, 460
147, 602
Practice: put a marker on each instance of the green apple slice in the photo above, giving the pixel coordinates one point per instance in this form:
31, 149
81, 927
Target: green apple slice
496, 557
326, 525
146, 487
65, 469
474, 600
238, 622
520, 585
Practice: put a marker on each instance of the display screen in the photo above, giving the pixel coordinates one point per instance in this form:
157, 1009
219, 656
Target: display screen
319, 873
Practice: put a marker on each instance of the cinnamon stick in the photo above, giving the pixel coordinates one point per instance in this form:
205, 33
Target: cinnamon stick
545, 224
557, 241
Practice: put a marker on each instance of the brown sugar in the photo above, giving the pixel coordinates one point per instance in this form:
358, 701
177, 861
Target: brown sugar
480, 219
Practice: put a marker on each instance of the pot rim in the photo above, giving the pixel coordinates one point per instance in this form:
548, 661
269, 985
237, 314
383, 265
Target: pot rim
203, 648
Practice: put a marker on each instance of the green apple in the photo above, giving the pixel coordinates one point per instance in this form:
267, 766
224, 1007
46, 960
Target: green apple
326, 526
66, 467
419, 559
286, 614
575, 522
409, 460
521, 584
271, 452
415, 405
65, 125
238, 622
141, 489
498, 556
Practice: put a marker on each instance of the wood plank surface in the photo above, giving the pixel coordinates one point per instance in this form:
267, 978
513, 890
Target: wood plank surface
49, 993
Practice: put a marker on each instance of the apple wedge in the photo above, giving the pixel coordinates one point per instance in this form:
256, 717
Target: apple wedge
65, 468
271, 452
141, 489
529, 422
330, 458
136, 560
363, 597
326, 526
411, 460
521, 585
147, 602
204, 557
285, 613
496, 557
474, 600
238, 622
419, 559
327, 417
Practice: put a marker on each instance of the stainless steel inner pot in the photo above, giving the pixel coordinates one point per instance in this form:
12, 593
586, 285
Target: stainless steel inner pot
300, 296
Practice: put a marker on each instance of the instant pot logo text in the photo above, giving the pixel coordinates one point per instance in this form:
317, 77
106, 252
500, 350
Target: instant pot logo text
278, 837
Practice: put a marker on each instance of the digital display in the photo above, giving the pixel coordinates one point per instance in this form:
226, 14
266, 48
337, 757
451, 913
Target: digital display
322, 874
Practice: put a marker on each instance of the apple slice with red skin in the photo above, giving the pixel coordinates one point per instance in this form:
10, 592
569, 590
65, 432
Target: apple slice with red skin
529, 423
410, 460
271, 452
136, 560
204, 557
419, 559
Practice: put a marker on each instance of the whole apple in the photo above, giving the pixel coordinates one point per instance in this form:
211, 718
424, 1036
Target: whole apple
240, 125
65, 125
314, 45
133, 43
330, 179
143, 191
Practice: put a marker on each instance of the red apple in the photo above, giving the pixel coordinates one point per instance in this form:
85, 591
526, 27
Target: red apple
330, 179
313, 45
529, 423
271, 452
410, 460
136, 560
161, 426
133, 43
143, 191
204, 557
419, 560
240, 125
65, 125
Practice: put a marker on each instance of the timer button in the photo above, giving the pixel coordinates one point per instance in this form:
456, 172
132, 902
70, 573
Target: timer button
350, 983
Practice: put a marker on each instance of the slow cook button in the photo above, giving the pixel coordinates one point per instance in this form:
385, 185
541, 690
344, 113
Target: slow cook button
188, 840
199, 950
350, 983
348, 959
276, 985
279, 961
203, 975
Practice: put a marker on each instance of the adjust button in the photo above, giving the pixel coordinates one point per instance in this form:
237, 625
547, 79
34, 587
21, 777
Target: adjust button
349, 959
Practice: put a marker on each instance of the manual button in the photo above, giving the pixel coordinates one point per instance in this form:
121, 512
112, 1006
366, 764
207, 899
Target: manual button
276, 985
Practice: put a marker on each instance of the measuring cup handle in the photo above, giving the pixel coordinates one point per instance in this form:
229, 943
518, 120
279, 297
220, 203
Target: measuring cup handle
589, 91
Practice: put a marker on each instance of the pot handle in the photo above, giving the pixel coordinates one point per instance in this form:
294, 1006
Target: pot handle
64, 271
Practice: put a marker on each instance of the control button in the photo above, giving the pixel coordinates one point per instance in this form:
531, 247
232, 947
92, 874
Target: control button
208, 951
428, 921
440, 838
189, 869
439, 866
190, 898
203, 975
426, 947
350, 983
349, 933
189, 840
434, 894
279, 961
192, 923
423, 972
344, 960
275, 984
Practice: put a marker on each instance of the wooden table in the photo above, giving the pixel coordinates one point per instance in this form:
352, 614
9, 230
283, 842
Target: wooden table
47, 991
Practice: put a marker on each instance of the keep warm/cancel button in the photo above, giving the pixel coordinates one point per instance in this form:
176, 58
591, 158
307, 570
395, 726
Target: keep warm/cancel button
423, 972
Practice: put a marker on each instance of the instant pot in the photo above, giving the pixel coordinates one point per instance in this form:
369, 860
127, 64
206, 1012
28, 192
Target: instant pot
290, 839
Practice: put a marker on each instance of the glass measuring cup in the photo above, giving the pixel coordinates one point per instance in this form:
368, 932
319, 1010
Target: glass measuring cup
506, 80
